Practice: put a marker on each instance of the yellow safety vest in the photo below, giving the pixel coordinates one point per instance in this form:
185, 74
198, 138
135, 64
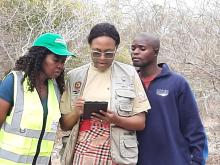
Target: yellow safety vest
20, 132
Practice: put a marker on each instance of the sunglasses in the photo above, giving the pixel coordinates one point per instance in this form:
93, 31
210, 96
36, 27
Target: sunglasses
108, 54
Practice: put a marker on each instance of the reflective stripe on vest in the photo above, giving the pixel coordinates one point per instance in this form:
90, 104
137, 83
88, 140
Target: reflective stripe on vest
28, 132
19, 103
14, 128
57, 90
22, 158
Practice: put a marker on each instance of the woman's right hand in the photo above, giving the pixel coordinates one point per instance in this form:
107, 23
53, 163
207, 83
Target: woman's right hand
67, 121
79, 106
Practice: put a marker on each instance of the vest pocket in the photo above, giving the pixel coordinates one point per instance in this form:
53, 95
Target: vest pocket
124, 148
128, 146
124, 101
124, 95
124, 109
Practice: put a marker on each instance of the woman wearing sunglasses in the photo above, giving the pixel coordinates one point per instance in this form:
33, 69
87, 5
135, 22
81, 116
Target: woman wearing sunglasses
107, 137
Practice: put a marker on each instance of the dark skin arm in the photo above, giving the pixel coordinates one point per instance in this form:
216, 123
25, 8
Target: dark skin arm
4, 109
136, 122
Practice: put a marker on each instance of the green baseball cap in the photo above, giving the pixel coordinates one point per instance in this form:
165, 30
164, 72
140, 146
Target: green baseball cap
54, 42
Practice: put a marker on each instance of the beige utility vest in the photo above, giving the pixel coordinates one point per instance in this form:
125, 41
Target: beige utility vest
123, 142
20, 132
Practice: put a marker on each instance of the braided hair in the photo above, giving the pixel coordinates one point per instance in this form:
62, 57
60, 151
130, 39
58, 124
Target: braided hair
31, 65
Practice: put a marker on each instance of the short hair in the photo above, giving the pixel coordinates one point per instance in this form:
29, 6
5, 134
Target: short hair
104, 29
152, 39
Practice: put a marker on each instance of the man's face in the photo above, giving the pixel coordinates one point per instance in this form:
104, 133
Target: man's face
142, 52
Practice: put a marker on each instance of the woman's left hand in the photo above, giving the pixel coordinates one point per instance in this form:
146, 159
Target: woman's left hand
135, 122
107, 117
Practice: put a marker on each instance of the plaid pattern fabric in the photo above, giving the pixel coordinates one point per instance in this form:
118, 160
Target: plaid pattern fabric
93, 146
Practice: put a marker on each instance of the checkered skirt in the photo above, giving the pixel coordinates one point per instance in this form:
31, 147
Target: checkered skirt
93, 146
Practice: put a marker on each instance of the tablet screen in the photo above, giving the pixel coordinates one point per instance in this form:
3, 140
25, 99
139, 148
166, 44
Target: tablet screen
94, 107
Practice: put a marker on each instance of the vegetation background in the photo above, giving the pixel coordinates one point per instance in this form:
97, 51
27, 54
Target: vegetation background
189, 33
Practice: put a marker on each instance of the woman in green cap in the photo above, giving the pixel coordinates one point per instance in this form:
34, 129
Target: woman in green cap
29, 102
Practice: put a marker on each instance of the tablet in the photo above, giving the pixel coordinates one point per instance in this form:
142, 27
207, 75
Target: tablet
94, 107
